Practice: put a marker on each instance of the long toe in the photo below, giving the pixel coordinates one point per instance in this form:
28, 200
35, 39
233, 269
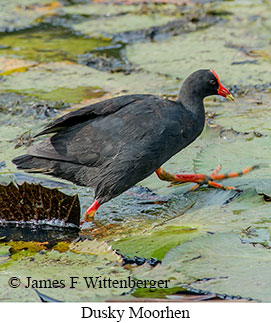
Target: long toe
89, 215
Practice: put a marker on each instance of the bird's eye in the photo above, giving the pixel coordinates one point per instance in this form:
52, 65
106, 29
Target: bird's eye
213, 82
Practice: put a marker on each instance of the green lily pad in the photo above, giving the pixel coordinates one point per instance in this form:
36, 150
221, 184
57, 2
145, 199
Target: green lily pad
113, 8
9, 133
246, 114
248, 210
118, 24
222, 264
257, 236
52, 266
226, 42
242, 153
74, 95
149, 244
4, 253
95, 248
157, 293
99, 9
175, 277
209, 213
47, 44
63, 75
20, 14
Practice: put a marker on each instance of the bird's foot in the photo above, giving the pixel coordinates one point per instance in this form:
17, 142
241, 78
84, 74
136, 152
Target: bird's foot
201, 179
90, 212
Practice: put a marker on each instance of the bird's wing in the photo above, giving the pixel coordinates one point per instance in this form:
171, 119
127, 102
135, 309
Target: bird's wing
143, 134
92, 111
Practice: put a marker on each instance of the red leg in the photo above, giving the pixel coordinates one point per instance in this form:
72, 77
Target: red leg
181, 178
217, 185
193, 188
201, 179
90, 212
216, 171
219, 177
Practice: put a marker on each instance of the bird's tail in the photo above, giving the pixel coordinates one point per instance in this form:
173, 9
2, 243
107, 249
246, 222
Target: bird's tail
32, 164
76, 173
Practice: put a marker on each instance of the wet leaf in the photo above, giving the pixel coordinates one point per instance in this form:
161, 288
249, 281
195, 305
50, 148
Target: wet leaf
255, 236
158, 293
213, 211
100, 9
148, 244
4, 253
12, 65
30, 246
220, 263
119, 24
73, 95
249, 113
248, 210
22, 13
62, 246
47, 44
209, 47
236, 156
45, 7
52, 76
95, 248
52, 266
177, 2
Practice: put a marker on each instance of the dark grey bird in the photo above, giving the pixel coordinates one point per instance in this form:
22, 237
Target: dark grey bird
114, 144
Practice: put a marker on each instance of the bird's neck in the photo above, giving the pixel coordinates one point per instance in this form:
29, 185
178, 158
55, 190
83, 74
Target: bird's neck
192, 102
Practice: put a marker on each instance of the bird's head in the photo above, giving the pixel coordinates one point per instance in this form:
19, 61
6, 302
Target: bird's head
203, 83
221, 90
